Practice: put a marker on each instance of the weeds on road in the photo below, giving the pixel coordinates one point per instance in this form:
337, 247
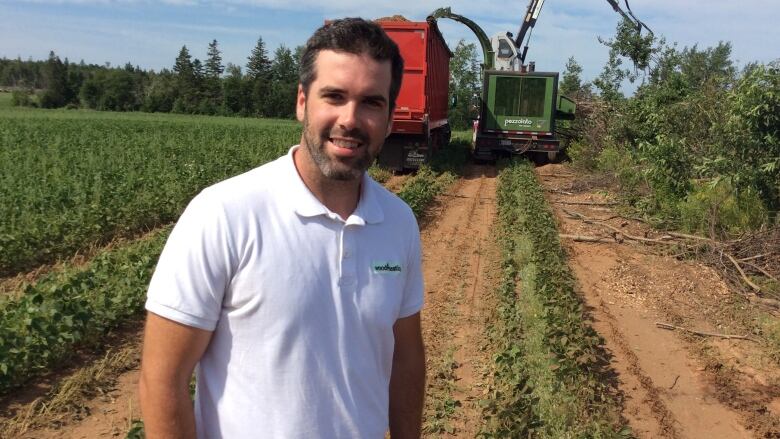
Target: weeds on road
550, 374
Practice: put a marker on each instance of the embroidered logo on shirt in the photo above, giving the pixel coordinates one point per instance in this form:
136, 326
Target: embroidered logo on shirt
383, 267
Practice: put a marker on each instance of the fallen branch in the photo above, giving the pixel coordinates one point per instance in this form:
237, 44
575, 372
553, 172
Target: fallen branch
754, 257
674, 383
558, 191
764, 272
742, 273
702, 333
556, 175
587, 203
583, 218
687, 236
582, 238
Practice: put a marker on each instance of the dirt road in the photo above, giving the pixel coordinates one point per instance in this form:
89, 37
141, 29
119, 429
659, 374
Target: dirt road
676, 385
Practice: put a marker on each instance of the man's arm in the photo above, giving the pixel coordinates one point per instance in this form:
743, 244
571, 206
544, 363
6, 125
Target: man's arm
407, 381
171, 351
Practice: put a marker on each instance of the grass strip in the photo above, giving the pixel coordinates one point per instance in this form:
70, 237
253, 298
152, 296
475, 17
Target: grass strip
550, 372
74, 309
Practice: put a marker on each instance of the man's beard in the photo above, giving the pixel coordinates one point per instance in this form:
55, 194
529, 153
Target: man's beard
331, 167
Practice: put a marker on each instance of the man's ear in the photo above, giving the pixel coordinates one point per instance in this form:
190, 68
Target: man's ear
300, 104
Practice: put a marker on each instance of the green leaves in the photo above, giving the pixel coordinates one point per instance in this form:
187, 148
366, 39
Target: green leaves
64, 312
549, 370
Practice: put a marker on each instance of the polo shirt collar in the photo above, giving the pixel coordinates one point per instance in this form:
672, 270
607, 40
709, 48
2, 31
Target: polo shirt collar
306, 204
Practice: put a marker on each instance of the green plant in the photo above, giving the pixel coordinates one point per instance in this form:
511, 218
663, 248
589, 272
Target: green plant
136, 430
549, 372
716, 209
73, 309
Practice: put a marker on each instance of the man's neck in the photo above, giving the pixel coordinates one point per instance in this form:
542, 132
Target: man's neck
340, 196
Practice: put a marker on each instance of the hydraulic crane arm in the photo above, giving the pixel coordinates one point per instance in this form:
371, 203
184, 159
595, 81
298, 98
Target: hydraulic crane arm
534, 8
529, 21
629, 16
484, 41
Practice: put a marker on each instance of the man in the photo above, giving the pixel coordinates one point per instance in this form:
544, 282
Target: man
296, 287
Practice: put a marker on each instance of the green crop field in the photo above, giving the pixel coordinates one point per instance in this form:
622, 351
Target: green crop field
5, 100
74, 179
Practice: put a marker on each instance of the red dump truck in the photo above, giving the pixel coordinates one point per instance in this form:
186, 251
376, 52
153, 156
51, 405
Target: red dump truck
420, 124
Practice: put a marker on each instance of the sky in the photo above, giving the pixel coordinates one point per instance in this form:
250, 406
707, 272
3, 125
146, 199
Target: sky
150, 34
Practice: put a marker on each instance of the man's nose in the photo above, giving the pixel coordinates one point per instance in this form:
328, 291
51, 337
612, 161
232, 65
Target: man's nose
348, 116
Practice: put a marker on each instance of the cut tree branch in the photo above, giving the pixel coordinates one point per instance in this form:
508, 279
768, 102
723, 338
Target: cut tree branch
582, 238
583, 218
742, 273
586, 203
702, 333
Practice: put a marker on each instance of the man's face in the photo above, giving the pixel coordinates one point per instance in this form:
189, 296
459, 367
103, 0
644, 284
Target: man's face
346, 113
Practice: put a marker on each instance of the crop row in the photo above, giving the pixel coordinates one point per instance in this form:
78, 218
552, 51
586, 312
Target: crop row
73, 180
74, 309
549, 371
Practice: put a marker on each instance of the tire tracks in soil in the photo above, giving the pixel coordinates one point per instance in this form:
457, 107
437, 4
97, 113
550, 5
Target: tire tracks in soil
455, 243
667, 390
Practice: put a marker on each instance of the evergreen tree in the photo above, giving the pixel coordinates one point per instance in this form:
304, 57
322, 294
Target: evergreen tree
187, 82
214, 66
212, 82
258, 65
55, 76
280, 101
183, 64
258, 70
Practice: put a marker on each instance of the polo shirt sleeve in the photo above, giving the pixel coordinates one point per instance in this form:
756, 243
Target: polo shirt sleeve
413, 293
194, 269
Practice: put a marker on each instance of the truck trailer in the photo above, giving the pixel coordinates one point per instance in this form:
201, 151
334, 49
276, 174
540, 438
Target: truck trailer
420, 124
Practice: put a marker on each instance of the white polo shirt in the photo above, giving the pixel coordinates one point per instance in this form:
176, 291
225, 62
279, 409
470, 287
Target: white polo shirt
301, 302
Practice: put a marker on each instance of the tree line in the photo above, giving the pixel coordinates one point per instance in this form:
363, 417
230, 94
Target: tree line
265, 88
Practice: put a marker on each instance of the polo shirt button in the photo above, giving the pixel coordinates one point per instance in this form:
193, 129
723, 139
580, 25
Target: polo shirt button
347, 253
